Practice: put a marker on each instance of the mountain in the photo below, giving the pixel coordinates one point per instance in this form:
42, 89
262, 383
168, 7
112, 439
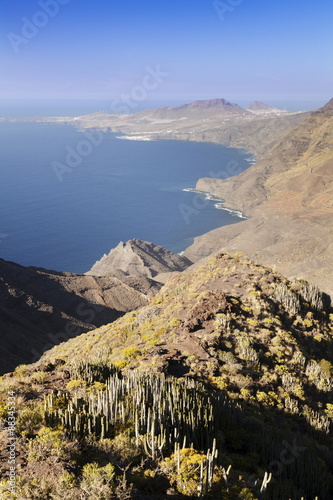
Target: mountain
214, 120
222, 383
196, 110
139, 258
260, 107
288, 197
40, 308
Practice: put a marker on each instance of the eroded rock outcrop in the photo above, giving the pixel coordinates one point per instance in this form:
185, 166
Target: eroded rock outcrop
139, 258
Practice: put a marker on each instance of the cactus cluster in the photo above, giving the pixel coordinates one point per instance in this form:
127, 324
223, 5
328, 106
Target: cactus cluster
166, 416
163, 411
288, 298
293, 296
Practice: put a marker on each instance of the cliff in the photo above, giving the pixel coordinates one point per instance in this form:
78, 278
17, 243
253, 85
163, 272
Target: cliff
139, 258
288, 196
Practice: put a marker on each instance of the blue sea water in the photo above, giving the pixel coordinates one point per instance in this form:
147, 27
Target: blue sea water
119, 190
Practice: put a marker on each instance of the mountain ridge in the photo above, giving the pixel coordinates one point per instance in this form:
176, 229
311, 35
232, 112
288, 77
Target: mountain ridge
199, 108
229, 354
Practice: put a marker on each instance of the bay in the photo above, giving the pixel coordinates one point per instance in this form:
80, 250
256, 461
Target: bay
120, 190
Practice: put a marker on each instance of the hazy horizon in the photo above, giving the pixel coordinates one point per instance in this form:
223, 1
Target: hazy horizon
239, 50
16, 108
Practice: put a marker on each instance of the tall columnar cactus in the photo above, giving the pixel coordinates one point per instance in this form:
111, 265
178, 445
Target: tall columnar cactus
162, 411
166, 415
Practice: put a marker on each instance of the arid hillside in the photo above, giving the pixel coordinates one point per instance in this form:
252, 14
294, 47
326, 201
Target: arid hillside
288, 198
221, 385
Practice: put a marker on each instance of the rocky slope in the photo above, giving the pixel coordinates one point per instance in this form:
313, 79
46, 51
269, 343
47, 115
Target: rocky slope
40, 308
288, 196
139, 258
248, 354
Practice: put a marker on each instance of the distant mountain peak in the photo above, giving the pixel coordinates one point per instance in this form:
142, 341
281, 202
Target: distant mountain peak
214, 103
260, 106
197, 110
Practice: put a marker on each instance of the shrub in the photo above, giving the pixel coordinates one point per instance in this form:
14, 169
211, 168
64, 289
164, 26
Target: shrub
76, 384
67, 480
187, 478
21, 371
97, 482
326, 368
131, 352
39, 377
97, 386
122, 363
48, 443
29, 419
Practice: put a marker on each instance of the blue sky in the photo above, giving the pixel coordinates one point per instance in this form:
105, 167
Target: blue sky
102, 48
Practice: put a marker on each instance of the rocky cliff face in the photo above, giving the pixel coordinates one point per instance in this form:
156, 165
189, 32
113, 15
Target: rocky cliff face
288, 196
40, 308
139, 258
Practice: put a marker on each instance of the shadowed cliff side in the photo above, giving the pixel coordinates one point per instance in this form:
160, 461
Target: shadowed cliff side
40, 308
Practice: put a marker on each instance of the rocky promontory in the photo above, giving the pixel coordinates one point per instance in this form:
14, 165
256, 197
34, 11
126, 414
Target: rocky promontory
139, 258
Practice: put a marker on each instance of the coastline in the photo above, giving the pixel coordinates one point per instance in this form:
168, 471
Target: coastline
135, 138
205, 162
220, 203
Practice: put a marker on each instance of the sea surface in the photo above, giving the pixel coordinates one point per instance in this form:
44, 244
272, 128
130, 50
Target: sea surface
65, 215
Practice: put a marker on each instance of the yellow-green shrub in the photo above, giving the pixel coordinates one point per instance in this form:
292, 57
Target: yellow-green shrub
131, 352
48, 443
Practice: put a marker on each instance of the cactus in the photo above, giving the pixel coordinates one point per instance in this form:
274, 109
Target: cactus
265, 481
166, 416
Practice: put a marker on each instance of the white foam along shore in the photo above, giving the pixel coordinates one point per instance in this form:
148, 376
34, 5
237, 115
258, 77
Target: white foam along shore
135, 138
220, 203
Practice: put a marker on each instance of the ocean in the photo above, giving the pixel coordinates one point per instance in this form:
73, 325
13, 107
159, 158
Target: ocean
67, 198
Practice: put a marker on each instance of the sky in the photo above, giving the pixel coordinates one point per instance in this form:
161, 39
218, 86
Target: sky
171, 50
